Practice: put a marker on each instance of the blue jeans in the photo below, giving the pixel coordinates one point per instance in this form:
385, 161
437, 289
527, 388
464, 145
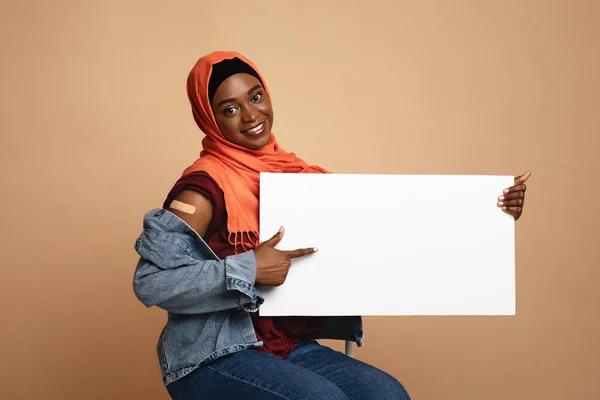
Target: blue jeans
311, 372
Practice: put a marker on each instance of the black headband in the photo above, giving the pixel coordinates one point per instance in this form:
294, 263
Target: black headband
224, 70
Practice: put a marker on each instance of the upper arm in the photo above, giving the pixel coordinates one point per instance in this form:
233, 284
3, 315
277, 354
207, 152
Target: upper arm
200, 219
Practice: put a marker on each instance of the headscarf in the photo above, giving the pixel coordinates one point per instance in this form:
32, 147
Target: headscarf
234, 168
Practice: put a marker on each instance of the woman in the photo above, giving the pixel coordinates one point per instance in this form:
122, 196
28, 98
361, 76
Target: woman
201, 260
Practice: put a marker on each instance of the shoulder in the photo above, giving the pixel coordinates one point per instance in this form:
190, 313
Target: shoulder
194, 208
199, 182
195, 198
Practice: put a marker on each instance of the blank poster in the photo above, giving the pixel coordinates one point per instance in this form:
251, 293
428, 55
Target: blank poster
390, 244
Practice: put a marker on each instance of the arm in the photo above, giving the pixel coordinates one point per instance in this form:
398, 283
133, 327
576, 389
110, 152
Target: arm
181, 283
192, 286
200, 219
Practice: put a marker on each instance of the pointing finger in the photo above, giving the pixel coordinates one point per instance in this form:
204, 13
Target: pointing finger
300, 252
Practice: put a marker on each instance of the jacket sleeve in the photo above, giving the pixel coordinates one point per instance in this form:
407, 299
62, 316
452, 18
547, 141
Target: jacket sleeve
171, 276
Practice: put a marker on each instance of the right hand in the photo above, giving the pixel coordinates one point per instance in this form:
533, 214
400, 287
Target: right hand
272, 265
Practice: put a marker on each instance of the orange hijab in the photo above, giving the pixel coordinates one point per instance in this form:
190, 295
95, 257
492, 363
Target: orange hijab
236, 169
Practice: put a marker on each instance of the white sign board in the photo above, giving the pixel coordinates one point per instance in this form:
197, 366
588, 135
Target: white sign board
390, 244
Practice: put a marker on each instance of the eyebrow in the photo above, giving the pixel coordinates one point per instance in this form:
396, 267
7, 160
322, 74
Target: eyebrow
231, 100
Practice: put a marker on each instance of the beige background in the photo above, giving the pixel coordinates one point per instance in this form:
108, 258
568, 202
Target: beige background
96, 127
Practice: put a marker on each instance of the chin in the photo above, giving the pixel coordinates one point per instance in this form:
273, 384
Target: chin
257, 143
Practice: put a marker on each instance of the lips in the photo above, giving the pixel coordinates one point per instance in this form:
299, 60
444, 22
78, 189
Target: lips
255, 130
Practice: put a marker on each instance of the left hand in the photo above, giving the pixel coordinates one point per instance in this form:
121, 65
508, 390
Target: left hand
513, 198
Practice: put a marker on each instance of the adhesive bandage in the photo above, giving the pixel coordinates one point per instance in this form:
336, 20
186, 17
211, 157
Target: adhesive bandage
183, 207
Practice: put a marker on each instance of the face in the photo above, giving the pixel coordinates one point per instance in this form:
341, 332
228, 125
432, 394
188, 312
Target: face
243, 111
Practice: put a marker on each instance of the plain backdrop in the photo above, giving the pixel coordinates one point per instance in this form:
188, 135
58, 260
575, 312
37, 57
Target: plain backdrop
96, 127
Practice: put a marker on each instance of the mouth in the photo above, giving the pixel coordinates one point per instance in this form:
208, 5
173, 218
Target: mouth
256, 129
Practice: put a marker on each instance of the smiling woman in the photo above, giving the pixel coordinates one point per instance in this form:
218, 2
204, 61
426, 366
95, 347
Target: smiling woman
215, 345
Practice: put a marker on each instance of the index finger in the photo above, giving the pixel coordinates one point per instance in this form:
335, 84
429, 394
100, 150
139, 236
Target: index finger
300, 252
516, 188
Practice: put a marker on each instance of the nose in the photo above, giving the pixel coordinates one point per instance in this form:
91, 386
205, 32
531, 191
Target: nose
249, 113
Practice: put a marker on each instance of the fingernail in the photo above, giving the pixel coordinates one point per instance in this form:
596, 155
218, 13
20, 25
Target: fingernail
504, 208
280, 229
315, 249
501, 198
506, 191
500, 203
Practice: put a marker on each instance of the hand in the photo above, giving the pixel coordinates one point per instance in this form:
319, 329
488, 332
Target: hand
513, 199
272, 265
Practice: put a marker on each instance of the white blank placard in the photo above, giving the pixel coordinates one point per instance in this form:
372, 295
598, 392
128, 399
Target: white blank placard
390, 244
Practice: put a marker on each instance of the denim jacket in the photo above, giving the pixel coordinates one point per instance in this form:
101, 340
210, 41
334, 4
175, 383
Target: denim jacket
207, 299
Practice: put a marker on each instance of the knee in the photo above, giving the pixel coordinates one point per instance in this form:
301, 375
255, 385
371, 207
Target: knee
321, 389
398, 390
387, 387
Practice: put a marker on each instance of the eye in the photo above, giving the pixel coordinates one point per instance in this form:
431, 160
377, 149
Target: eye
229, 111
257, 97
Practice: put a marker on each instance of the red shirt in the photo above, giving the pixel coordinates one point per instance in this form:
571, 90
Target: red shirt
280, 335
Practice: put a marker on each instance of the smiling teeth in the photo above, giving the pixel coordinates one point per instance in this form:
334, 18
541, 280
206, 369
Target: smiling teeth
256, 128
